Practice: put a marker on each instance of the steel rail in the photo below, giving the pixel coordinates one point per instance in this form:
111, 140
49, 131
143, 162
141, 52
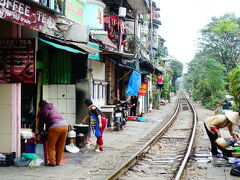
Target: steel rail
148, 145
188, 152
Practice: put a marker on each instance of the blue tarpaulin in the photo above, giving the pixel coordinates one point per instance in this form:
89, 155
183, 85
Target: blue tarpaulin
134, 84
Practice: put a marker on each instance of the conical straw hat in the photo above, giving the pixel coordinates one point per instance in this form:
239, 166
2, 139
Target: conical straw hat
233, 117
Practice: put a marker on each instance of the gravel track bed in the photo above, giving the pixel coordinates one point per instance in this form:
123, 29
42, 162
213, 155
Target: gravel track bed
163, 159
196, 170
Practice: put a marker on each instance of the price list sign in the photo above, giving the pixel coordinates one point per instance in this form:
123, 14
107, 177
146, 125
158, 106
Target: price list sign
17, 61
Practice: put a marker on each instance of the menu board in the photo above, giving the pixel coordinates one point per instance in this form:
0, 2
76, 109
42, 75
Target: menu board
17, 61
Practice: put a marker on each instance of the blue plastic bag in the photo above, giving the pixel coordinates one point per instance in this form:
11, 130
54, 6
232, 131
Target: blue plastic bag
134, 84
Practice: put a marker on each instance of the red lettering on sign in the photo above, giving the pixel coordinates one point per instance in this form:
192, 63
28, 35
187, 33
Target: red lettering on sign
100, 16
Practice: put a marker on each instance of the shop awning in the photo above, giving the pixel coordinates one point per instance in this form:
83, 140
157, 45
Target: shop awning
147, 66
120, 55
133, 65
58, 46
86, 48
65, 45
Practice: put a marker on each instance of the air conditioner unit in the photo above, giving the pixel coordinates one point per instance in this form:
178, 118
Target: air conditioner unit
122, 12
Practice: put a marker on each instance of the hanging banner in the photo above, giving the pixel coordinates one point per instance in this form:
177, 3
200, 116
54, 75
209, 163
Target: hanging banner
143, 89
17, 61
32, 17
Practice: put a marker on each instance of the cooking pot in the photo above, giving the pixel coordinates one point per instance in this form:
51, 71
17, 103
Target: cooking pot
82, 128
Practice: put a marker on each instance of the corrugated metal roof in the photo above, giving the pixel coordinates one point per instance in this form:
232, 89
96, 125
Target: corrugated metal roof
104, 39
70, 46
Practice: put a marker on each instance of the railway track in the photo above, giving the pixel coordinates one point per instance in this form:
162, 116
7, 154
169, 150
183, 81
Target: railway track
164, 155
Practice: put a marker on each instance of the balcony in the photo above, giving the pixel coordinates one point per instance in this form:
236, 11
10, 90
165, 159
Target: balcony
115, 4
141, 6
56, 6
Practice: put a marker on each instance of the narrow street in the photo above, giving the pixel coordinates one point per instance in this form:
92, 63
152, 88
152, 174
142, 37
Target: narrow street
90, 165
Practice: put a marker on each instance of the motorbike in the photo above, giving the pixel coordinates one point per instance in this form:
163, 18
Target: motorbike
121, 112
126, 105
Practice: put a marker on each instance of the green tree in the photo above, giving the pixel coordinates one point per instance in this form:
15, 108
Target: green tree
234, 85
167, 88
221, 40
206, 80
177, 68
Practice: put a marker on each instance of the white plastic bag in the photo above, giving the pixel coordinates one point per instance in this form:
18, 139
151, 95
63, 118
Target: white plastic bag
35, 163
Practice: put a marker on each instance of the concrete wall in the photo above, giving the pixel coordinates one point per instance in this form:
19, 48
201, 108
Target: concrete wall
98, 70
6, 117
10, 107
98, 73
10, 118
82, 92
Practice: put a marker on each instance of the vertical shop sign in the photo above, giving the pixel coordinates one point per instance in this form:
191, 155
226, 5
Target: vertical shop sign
96, 56
143, 89
17, 61
74, 10
34, 18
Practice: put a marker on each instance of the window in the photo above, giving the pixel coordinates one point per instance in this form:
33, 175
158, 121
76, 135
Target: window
56, 5
99, 90
95, 95
104, 88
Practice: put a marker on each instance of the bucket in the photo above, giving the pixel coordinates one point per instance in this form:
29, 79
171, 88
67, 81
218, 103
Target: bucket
237, 149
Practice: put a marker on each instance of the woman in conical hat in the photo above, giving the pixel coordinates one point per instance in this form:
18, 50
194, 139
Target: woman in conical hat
214, 123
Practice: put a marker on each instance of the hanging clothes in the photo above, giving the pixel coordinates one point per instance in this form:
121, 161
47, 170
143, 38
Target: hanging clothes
116, 29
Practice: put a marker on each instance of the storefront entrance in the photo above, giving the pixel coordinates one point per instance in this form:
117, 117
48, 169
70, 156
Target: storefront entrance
28, 105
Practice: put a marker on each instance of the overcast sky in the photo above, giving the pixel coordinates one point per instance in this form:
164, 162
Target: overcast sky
183, 19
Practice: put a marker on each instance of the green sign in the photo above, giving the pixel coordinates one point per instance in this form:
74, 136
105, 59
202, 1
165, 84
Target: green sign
94, 57
74, 10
